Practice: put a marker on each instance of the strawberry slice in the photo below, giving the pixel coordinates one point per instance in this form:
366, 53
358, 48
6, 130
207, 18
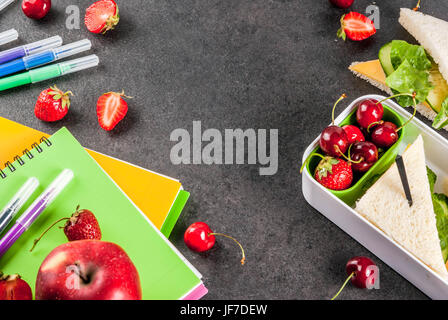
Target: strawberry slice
102, 16
111, 109
356, 27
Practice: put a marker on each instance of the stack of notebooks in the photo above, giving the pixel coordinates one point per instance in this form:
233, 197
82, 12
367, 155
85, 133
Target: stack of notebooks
136, 208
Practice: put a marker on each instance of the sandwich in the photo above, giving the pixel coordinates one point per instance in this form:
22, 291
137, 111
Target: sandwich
404, 68
421, 228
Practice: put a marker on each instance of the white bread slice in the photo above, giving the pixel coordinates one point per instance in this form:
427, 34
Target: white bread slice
386, 206
431, 33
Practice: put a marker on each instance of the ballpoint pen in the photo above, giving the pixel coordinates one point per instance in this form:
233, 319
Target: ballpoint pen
8, 36
17, 202
5, 3
45, 57
37, 207
49, 72
29, 49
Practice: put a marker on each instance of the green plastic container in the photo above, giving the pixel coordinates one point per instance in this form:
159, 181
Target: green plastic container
362, 182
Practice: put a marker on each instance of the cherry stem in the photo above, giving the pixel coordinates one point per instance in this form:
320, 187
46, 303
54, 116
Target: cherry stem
417, 6
343, 96
308, 159
374, 124
243, 260
48, 229
413, 114
343, 286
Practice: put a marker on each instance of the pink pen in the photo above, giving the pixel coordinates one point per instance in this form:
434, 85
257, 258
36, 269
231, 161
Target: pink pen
32, 213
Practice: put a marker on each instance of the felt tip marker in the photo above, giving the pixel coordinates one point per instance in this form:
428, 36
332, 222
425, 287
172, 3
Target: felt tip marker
45, 57
33, 212
49, 72
17, 202
29, 49
5, 3
8, 36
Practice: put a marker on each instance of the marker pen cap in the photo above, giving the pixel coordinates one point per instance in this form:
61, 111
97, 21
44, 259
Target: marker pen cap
42, 45
25, 192
72, 49
5, 3
79, 64
8, 36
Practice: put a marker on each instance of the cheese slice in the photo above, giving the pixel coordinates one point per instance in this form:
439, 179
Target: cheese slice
371, 69
386, 206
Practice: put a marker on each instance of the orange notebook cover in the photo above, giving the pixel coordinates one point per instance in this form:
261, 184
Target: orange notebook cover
161, 198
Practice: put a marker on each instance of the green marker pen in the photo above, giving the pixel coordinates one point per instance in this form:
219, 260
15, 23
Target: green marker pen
49, 72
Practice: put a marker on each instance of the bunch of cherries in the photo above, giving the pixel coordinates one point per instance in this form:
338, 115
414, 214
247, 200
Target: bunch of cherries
347, 149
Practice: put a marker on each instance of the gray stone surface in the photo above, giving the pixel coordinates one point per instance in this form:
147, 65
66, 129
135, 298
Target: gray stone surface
231, 64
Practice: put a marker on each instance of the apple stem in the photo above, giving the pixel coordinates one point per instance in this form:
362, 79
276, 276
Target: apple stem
343, 96
308, 159
43, 233
343, 286
243, 260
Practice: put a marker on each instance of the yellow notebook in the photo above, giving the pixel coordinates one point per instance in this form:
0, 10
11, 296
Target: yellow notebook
161, 198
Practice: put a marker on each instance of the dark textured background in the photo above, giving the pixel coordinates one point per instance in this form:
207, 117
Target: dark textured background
231, 64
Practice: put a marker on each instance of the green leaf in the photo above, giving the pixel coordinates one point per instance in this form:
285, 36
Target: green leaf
440, 203
407, 79
441, 120
432, 177
415, 54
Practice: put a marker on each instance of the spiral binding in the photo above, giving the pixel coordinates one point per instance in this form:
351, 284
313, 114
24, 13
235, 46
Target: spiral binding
28, 153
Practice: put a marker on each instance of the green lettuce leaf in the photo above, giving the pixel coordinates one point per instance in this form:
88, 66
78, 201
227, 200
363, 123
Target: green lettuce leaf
441, 120
407, 79
432, 177
440, 203
415, 54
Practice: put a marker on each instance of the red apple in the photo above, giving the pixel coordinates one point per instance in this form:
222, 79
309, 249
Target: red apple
88, 270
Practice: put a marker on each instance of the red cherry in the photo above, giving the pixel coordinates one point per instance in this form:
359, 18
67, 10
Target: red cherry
384, 135
363, 271
363, 155
36, 9
354, 134
344, 4
369, 111
334, 141
199, 237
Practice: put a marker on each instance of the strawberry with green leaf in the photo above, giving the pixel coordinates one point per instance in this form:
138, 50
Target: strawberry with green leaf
334, 174
52, 104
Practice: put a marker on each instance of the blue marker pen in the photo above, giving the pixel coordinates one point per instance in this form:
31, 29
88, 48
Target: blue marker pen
45, 57
29, 49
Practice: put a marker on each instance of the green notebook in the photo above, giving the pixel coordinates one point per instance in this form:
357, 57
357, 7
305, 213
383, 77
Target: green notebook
164, 272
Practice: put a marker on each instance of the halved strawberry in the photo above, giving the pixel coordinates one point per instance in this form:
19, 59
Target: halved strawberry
356, 27
111, 109
102, 16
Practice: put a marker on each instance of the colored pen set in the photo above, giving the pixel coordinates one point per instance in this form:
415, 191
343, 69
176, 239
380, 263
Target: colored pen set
33, 212
32, 57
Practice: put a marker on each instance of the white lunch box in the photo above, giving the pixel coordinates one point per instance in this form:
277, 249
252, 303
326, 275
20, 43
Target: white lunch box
345, 217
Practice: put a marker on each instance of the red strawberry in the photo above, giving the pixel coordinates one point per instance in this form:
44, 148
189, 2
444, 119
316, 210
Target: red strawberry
334, 174
344, 4
82, 225
14, 288
111, 109
102, 16
52, 104
356, 27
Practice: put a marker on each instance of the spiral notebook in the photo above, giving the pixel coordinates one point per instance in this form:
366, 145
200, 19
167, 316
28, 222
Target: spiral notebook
164, 272
160, 197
